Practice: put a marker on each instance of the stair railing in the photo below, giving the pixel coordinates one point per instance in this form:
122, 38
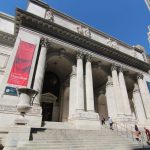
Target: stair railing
129, 132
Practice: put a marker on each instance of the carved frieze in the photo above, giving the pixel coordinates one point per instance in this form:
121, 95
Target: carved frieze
113, 44
84, 31
44, 42
49, 15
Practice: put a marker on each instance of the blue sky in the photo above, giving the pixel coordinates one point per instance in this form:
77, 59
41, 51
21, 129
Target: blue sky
126, 20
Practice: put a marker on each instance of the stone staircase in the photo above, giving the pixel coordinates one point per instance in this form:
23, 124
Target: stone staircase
69, 139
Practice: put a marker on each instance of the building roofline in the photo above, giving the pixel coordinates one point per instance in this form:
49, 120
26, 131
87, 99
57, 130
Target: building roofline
7, 16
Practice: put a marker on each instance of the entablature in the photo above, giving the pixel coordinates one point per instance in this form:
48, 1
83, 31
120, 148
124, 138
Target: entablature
64, 20
42, 25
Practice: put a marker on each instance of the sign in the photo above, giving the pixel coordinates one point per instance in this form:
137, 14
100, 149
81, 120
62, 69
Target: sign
22, 64
148, 85
11, 91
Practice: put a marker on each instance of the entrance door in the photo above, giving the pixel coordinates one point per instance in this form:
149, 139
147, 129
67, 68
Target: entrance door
47, 109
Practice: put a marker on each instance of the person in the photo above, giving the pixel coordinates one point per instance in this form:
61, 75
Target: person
137, 133
147, 132
110, 123
103, 120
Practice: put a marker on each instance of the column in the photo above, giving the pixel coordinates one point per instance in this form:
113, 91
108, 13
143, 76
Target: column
80, 83
89, 86
124, 94
72, 93
138, 105
110, 99
144, 94
102, 108
38, 82
65, 110
117, 92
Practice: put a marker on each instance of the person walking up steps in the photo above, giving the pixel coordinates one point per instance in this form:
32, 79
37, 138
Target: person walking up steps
110, 123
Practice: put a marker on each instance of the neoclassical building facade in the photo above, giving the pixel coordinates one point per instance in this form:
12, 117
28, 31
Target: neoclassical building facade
79, 73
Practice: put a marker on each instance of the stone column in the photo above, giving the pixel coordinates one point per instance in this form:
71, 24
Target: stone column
100, 99
72, 93
144, 94
138, 105
117, 92
110, 99
80, 83
89, 86
65, 110
38, 82
124, 94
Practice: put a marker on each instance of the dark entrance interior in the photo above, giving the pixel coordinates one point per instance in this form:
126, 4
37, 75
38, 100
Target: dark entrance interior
51, 85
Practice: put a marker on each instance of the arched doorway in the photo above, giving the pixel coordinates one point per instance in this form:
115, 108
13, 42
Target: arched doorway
50, 95
58, 69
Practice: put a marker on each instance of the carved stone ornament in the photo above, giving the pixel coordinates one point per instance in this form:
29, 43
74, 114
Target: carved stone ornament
139, 76
136, 88
114, 67
74, 70
80, 55
44, 42
49, 16
120, 69
84, 31
80, 30
112, 44
109, 81
87, 32
88, 58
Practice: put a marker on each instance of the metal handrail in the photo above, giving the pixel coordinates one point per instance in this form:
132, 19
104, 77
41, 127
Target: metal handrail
129, 132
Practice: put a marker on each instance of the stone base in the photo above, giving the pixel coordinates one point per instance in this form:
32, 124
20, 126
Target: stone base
85, 121
17, 134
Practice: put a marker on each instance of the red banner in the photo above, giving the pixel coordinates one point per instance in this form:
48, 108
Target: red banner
22, 64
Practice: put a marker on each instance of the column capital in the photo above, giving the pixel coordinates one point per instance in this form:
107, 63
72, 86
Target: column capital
136, 88
109, 81
88, 58
114, 67
139, 76
74, 70
44, 42
121, 69
80, 55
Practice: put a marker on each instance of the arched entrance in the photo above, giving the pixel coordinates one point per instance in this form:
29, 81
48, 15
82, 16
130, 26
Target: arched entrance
50, 94
58, 69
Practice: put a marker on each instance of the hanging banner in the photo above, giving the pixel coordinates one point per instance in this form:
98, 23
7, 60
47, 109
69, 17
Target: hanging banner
22, 64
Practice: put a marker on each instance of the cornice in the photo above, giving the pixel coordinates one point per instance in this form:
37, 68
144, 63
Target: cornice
8, 17
38, 2
7, 39
49, 28
65, 16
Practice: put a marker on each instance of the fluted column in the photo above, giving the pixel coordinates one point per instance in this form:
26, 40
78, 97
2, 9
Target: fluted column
89, 86
72, 93
138, 105
144, 94
80, 83
110, 99
38, 82
117, 92
124, 94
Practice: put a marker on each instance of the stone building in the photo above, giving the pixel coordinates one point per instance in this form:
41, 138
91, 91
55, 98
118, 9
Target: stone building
54, 68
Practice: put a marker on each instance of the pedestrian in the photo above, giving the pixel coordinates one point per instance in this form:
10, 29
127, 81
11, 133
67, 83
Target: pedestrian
137, 133
147, 132
110, 123
103, 120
